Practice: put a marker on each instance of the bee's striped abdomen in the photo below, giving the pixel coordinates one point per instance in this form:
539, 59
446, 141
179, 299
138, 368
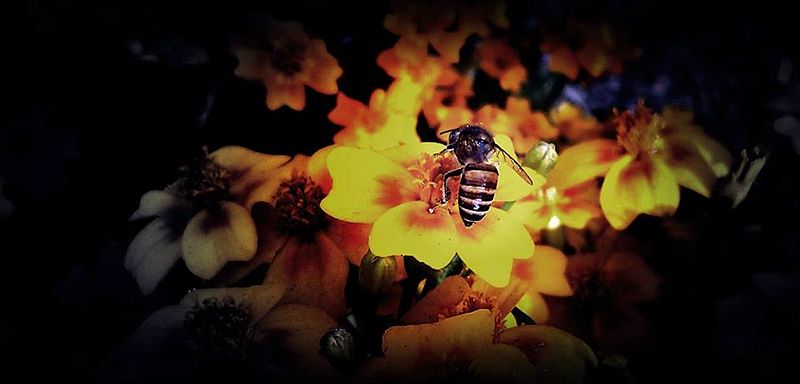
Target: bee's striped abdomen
476, 191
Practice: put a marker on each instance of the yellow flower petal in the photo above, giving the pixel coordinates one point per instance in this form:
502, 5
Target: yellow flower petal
248, 170
558, 356
548, 266
534, 305
635, 187
584, 162
510, 186
211, 240
490, 246
409, 229
318, 168
365, 185
409, 154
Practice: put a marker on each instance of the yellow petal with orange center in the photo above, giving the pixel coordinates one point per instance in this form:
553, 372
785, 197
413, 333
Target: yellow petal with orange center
584, 162
689, 167
248, 170
365, 185
490, 246
210, 240
410, 154
409, 229
635, 187
547, 267
533, 213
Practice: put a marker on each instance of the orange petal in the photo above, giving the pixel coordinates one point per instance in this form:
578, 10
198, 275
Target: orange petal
635, 187
447, 295
365, 185
326, 69
546, 271
409, 229
313, 272
448, 44
351, 238
289, 94
347, 110
490, 246
512, 79
584, 162
564, 61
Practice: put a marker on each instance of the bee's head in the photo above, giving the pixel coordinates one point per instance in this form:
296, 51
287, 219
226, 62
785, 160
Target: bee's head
473, 143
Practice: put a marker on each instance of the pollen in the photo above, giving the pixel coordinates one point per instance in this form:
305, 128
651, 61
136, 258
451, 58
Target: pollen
428, 175
297, 205
639, 133
203, 182
218, 329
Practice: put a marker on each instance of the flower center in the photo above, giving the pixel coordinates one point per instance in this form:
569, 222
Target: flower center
288, 57
297, 205
639, 132
218, 329
428, 175
203, 182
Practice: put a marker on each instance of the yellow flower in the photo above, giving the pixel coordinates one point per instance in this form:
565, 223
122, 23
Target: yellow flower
290, 62
502, 62
652, 156
470, 348
524, 126
201, 218
389, 120
573, 124
307, 250
399, 191
230, 333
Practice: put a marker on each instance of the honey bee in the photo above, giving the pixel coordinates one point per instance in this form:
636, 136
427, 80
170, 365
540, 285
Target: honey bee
480, 158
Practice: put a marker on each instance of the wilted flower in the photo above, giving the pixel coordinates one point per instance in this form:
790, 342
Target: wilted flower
200, 218
652, 156
399, 191
289, 62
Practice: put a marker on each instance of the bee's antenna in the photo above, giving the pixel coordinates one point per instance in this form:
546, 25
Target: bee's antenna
448, 131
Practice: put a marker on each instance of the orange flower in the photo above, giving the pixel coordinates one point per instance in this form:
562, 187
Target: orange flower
400, 190
447, 107
598, 49
517, 120
291, 61
468, 348
573, 123
308, 251
390, 119
501, 62
652, 156
419, 23
476, 17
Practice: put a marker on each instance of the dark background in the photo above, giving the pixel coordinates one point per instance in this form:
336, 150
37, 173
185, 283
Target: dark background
103, 100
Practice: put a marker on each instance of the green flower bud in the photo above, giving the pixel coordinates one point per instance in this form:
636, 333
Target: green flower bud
377, 273
542, 157
338, 346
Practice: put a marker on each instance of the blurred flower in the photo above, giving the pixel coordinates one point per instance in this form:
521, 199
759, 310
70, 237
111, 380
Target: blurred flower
399, 191
543, 274
200, 218
597, 48
476, 17
573, 123
288, 63
524, 126
502, 62
388, 121
307, 250
419, 23
448, 107
610, 286
470, 348
226, 334
653, 155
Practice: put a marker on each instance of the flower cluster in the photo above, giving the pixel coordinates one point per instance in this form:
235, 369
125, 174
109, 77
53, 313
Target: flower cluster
472, 227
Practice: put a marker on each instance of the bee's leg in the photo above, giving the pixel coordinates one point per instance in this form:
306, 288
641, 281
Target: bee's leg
449, 148
445, 189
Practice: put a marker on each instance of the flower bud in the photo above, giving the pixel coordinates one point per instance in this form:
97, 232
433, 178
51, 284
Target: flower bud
377, 273
542, 157
338, 346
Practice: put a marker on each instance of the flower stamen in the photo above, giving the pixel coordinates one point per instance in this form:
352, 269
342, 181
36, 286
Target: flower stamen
218, 329
297, 205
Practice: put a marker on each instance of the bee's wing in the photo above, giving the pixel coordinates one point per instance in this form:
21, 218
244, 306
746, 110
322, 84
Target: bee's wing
513, 163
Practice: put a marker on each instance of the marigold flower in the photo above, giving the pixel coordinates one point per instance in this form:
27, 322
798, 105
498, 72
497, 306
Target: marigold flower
290, 61
389, 120
517, 120
423, 22
200, 218
652, 156
226, 334
399, 191
307, 250
468, 348
596, 48
502, 62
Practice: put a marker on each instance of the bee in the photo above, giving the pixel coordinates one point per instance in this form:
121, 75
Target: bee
480, 158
